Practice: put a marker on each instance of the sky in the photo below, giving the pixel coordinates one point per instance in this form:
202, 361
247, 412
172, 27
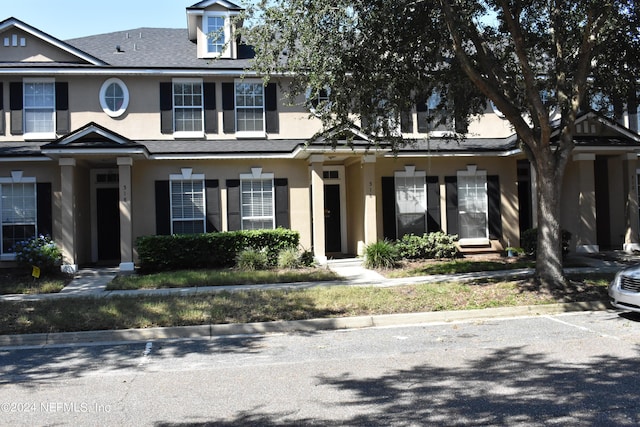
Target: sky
67, 19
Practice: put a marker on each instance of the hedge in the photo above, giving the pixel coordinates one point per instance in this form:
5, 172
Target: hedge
210, 250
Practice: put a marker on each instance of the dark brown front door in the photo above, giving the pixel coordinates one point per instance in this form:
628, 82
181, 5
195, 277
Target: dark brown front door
107, 200
332, 232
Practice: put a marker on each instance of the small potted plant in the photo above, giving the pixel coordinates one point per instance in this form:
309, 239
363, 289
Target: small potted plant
513, 251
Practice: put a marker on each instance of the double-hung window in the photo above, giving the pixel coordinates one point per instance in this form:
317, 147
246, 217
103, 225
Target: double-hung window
17, 212
249, 97
473, 211
187, 199
188, 110
39, 108
216, 29
257, 201
411, 203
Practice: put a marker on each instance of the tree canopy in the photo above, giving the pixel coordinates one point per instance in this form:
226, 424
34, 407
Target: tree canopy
530, 58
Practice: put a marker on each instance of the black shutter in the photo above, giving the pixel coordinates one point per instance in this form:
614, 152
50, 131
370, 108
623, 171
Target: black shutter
214, 220
282, 202
389, 208
210, 113
433, 205
451, 185
163, 207
44, 216
1, 108
15, 104
364, 122
228, 108
406, 122
493, 198
166, 107
271, 107
422, 116
62, 108
233, 205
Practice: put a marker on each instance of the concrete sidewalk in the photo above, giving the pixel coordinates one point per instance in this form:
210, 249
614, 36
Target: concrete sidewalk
91, 282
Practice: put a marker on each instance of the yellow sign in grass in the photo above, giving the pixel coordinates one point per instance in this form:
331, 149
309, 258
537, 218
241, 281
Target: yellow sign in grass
35, 272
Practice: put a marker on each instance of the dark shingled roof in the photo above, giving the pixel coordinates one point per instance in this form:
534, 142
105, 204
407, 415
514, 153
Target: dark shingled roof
253, 146
154, 48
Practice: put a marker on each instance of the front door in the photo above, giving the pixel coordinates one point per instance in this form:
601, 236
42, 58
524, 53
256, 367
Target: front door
108, 223
332, 231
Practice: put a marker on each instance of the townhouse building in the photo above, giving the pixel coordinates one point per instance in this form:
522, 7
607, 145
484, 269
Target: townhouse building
149, 131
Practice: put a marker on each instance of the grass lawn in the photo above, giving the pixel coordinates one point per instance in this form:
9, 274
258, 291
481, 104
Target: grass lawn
19, 281
84, 314
200, 278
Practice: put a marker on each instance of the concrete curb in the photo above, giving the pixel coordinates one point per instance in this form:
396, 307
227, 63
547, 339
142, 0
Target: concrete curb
311, 325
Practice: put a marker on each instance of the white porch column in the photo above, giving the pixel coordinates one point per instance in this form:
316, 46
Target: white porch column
68, 219
126, 227
317, 201
370, 219
631, 213
587, 231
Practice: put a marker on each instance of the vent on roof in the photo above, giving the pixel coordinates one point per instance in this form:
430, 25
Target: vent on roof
119, 49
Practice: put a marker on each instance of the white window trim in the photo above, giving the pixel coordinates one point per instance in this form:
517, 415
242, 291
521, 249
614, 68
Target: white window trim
17, 178
38, 135
186, 175
125, 94
258, 175
226, 49
250, 134
189, 134
326, 99
410, 172
472, 171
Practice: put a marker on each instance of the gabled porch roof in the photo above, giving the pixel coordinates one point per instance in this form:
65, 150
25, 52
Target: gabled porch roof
94, 140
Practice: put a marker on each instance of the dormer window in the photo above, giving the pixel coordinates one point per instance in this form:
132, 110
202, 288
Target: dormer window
211, 24
216, 30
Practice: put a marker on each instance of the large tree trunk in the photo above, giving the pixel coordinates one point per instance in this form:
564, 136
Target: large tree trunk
549, 271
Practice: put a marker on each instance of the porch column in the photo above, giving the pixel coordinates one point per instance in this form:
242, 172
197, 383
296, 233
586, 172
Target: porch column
587, 233
126, 228
370, 219
317, 201
68, 219
632, 217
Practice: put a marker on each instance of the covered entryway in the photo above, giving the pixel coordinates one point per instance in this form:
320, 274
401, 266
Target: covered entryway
95, 196
107, 216
332, 227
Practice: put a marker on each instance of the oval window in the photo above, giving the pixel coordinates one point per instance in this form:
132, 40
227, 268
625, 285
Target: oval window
114, 97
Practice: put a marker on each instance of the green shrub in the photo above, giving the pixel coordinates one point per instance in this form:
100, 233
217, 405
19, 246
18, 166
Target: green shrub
430, 245
251, 259
41, 252
289, 258
209, 250
529, 240
382, 254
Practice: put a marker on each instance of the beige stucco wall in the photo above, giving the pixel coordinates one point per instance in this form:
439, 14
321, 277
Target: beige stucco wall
35, 50
141, 121
505, 167
145, 173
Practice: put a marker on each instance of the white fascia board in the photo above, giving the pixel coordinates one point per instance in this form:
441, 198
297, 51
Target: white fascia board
24, 159
591, 149
193, 72
133, 72
93, 151
507, 153
230, 156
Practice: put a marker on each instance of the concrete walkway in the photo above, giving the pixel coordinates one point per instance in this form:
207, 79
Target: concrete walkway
92, 282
